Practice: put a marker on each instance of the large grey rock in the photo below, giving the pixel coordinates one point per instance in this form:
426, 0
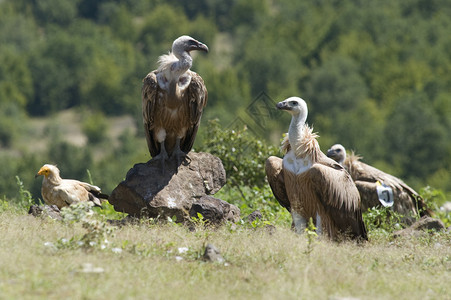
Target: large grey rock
149, 191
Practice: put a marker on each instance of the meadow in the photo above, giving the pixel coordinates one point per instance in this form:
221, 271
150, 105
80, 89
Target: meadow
84, 256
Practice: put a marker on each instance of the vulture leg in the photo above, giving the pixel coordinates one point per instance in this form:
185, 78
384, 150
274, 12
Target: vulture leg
319, 229
179, 154
162, 156
300, 223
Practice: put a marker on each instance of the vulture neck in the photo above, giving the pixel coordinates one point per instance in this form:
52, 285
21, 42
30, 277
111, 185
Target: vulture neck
178, 69
53, 178
184, 63
296, 131
303, 140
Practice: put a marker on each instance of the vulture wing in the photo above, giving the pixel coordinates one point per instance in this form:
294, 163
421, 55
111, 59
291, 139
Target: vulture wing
69, 191
196, 96
339, 197
274, 174
363, 173
150, 90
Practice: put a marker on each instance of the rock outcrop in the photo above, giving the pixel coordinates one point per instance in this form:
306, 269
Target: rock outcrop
176, 190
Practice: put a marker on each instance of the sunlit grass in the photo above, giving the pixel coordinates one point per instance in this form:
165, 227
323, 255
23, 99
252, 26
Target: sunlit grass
260, 264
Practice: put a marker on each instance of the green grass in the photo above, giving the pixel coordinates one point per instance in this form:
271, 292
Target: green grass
260, 265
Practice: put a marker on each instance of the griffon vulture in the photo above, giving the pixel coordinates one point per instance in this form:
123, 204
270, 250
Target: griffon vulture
316, 186
173, 98
64, 192
379, 188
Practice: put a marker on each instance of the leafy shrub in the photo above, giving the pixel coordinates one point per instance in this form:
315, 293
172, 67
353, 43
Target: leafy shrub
244, 158
382, 221
434, 199
242, 154
97, 230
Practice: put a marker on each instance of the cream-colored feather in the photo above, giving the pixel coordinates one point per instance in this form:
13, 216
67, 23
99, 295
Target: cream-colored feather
64, 192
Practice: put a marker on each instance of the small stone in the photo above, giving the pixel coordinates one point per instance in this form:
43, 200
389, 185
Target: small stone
212, 254
255, 215
44, 211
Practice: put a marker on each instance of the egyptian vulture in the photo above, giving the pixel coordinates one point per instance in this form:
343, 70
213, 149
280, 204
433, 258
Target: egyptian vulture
316, 186
379, 188
64, 192
173, 98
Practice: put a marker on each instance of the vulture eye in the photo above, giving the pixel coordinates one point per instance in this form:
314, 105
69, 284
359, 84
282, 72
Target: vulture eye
294, 103
193, 43
338, 150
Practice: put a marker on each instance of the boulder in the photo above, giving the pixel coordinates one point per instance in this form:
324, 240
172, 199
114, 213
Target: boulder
420, 227
175, 190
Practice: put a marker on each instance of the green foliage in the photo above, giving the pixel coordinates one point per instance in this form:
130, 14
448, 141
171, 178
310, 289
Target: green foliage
94, 127
311, 234
242, 155
97, 230
381, 222
434, 199
25, 199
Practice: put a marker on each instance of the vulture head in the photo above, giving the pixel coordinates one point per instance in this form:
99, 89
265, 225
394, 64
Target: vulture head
338, 153
48, 170
296, 107
186, 44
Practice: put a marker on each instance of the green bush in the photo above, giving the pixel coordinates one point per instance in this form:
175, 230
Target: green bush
434, 199
242, 154
95, 126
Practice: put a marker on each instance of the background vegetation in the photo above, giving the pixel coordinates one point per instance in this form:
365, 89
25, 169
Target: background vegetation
376, 76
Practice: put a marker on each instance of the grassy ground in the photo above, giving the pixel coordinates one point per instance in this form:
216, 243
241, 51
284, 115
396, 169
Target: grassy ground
36, 263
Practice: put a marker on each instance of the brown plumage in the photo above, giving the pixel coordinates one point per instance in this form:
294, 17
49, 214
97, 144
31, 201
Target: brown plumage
406, 201
64, 192
316, 186
173, 98
276, 180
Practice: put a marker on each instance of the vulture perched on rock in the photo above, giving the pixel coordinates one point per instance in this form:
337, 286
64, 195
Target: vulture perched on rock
64, 192
379, 188
316, 186
173, 98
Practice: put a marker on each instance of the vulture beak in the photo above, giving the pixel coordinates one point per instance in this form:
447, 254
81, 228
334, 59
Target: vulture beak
40, 172
283, 106
331, 153
196, 45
